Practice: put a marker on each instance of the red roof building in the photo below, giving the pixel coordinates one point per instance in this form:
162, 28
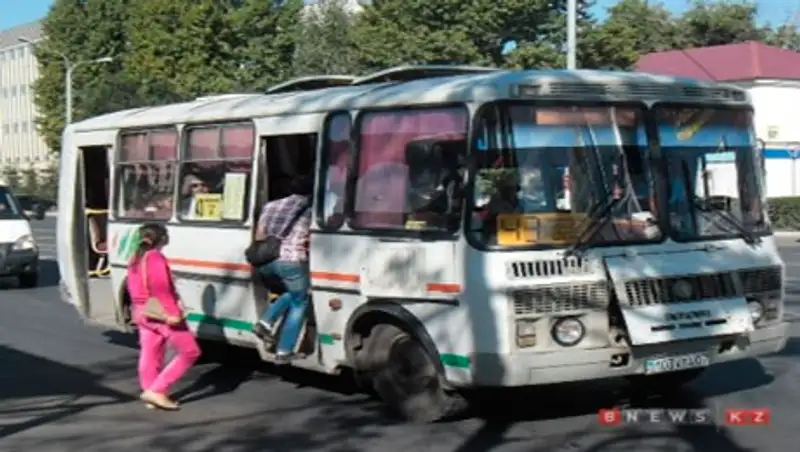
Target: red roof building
746, 61
772, 76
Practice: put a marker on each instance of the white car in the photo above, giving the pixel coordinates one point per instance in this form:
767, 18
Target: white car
19, 254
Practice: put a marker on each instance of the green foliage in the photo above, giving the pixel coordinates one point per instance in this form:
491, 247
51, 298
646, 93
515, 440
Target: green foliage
325, 41
48, 182
12, 177
168, 51
264, 42
784, 213
182, 46
29, 182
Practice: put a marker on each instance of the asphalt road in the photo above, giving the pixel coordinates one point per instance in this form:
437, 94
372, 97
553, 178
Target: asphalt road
65, 386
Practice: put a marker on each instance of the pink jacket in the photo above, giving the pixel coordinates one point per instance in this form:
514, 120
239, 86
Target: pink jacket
159, 283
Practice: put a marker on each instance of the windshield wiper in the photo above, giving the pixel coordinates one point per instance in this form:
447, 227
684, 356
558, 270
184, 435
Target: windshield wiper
704, 206
598, 217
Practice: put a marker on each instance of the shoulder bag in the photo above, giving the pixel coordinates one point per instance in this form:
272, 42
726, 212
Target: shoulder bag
262, 252
153, 309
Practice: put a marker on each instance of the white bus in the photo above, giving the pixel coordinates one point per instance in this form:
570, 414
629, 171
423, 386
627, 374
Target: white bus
471, 228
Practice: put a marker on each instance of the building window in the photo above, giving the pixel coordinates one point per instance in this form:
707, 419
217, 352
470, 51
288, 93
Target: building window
23, 90
25, 127
215, 173
13, 91
16, 127
5, 129
145, 172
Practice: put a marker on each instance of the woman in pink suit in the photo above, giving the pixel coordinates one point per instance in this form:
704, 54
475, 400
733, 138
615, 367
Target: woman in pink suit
156, 379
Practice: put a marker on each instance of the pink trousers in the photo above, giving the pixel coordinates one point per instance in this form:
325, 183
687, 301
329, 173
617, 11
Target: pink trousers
153, 339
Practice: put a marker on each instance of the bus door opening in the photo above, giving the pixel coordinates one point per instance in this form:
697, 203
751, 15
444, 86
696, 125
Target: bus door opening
96, 191
285, 158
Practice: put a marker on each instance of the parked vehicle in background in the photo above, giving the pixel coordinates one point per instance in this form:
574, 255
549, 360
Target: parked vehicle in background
19, 254
35, 206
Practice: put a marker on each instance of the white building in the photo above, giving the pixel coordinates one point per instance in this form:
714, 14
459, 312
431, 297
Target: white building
772, 75
20, 143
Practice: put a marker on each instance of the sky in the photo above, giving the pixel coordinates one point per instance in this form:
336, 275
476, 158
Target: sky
16, 12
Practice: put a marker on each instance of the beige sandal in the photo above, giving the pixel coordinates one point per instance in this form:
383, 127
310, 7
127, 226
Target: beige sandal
154, 400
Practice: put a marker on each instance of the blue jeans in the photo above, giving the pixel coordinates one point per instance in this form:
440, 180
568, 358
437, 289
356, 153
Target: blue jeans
295, 278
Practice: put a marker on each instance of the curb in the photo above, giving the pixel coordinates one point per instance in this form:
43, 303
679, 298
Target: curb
787, 234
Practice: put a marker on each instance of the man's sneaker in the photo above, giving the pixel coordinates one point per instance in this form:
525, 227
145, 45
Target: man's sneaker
264, 331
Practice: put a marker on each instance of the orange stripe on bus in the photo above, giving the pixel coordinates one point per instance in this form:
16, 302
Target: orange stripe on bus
333, 276
211, 264
443, 287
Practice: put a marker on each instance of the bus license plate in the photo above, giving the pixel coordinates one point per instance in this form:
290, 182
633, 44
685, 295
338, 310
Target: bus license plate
673, 363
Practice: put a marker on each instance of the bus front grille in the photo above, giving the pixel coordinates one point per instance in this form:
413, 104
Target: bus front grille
561, 298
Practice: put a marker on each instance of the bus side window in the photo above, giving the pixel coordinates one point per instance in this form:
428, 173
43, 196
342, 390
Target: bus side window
381, 193
334, 171
216, 173
145, 168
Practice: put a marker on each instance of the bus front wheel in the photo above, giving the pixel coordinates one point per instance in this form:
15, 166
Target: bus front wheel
407, 379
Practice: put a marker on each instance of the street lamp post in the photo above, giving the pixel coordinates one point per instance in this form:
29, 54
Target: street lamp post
571, 34
69, 67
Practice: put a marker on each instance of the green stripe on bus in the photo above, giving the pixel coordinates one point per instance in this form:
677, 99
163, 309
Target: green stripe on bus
225, 323
459, 361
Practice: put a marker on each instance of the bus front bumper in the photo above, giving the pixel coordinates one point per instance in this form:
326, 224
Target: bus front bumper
527, 368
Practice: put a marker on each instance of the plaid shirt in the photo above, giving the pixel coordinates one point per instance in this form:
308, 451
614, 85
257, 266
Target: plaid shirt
276, 215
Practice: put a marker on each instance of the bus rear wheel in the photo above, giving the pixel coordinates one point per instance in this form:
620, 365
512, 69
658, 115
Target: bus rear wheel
407, 379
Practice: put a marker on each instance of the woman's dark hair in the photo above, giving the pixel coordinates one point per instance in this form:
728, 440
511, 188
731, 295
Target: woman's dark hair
150, 236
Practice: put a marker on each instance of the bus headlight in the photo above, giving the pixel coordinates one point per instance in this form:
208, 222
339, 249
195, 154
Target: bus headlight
568, 331
756, 311
24, 243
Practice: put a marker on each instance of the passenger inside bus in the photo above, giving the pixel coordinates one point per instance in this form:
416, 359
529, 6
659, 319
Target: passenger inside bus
191, 187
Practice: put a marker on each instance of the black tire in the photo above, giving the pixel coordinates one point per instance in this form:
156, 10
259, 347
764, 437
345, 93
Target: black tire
407, 379
29, 280
665, 383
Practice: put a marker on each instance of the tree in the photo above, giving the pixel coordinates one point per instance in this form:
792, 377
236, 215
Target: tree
181, 47
12, 177
634, 28
544, 46
785, 36
264, 42
326, 42
49, 181
29, 181
718, 23
80, 30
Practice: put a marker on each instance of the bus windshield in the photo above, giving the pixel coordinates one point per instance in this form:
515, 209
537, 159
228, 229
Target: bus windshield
715, 178
544, 174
